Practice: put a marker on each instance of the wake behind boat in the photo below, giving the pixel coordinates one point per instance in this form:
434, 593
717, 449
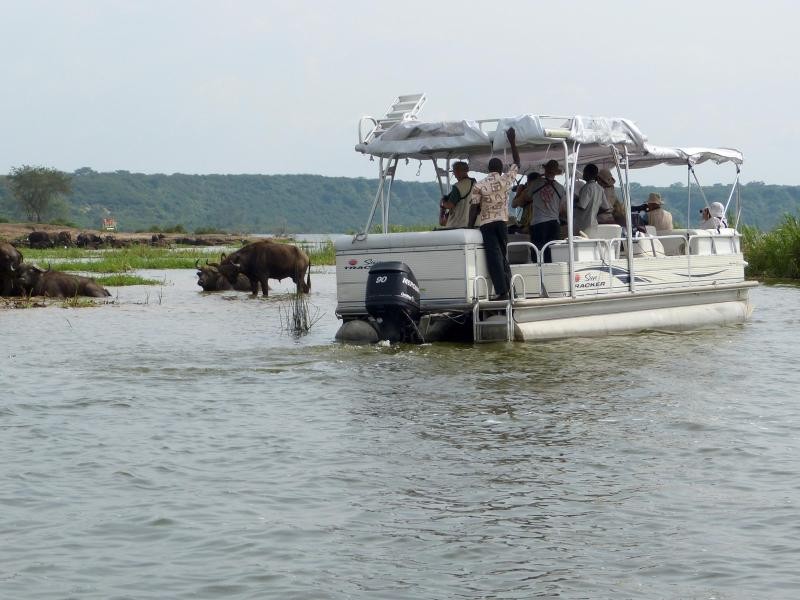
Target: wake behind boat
606, 279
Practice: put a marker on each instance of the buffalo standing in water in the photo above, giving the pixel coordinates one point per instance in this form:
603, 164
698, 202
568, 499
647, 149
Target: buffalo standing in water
265, 260
10, 260
211, 280
54, 284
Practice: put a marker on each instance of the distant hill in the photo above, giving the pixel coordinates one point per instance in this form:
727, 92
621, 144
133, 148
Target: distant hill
313, 203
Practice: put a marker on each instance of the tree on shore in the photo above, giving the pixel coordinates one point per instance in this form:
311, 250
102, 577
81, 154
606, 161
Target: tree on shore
35, 187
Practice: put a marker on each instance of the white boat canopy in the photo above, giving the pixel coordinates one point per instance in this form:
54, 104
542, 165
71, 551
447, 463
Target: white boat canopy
539, 138
662, 155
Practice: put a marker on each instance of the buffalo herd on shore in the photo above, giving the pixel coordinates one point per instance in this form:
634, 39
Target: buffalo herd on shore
243, 270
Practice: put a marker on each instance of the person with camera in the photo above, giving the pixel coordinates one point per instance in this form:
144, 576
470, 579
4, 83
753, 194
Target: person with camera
455, 206
545, 196
713, 217
655, 216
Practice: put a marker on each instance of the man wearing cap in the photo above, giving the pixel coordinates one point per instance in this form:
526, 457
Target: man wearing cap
457, 202
490, 198
545, 196
656, 216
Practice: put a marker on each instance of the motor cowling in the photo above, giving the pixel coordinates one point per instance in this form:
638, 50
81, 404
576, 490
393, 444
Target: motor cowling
392, 298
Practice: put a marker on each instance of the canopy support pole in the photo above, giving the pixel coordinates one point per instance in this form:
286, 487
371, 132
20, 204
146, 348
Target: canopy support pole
738, 198
700, 187
570, 171
391, 170
378, 198
734, 188
624, 178
689, 195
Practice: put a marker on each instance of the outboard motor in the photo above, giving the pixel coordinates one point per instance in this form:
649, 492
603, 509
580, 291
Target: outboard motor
392, 299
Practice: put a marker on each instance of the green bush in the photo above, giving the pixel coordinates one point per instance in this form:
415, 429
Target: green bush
775, 254
175, 229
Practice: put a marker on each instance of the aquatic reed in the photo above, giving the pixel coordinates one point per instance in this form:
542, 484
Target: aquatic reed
774, 254
297, 315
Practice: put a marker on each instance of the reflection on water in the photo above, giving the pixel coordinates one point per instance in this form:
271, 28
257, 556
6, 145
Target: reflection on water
180, 444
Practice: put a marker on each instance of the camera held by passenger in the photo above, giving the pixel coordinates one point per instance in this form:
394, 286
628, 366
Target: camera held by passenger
640, 208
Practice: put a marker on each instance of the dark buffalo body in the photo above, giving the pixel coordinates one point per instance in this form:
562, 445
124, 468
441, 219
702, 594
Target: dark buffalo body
64, 238
88, 240
211, 280
58, 285
265, 260
40, 239
10, 260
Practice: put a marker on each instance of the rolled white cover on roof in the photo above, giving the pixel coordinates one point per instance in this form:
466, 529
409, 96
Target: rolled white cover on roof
421, 140
663, 155
466, 140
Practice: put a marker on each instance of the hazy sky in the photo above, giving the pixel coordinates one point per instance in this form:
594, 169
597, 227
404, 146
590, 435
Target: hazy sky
267, 87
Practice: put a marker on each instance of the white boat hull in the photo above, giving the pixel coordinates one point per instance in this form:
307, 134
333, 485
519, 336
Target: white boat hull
685, 311
679, 292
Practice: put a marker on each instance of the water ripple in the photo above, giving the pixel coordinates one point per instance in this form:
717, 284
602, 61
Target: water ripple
190, 449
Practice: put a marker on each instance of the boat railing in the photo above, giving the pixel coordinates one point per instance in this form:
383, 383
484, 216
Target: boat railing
609, 244
476, 293
518, 277
527, 244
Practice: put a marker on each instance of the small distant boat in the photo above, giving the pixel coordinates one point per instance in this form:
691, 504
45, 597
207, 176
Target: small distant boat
616, 280
109, 224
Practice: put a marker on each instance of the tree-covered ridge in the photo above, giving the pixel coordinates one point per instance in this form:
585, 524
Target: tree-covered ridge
313, 203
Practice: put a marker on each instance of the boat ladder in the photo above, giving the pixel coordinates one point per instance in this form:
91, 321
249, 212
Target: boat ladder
403, 108
493, 314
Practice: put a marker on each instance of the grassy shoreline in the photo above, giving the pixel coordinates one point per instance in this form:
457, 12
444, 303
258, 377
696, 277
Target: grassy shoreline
124, 260
773, 255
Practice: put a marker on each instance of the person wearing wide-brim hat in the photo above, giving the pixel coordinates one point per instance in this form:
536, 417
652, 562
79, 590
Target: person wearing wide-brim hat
656, 215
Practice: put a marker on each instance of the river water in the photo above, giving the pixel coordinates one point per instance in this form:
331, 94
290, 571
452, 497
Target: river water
176, 444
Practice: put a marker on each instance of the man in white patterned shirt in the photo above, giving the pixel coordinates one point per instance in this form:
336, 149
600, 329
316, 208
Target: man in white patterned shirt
490, 198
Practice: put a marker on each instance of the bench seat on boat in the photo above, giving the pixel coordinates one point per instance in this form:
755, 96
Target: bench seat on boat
705, 242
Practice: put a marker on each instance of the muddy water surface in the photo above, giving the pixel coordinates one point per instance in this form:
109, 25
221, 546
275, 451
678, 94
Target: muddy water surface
177, 444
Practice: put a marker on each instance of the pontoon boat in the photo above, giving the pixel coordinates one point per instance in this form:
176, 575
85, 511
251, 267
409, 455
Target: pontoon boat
616, 280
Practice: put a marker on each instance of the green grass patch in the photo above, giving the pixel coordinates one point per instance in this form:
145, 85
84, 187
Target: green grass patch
31, 254
121, 279
324, 255
123, 260
774, 254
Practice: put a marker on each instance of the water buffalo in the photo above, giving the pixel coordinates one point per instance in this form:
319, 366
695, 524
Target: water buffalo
10, 260
57, 285
265, 260
88, 240
64, 238
211, 280
40, 239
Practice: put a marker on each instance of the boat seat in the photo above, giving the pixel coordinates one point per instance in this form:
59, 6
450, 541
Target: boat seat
647, 246
609, 231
